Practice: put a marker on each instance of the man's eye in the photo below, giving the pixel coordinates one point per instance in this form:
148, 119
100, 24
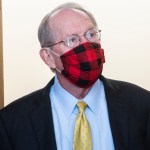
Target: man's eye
90, 35
73, 39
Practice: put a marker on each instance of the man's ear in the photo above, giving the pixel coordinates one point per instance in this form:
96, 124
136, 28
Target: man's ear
47, 57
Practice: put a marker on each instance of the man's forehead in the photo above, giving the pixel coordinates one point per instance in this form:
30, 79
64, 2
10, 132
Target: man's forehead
65, 17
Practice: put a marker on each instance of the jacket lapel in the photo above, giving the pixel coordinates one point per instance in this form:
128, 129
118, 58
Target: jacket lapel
118, 111
42, 121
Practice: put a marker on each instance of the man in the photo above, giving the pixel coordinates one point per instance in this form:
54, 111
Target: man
79, 108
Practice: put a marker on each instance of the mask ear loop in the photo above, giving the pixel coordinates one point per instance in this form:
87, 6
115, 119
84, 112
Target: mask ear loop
58, 70
52, 52
49, 50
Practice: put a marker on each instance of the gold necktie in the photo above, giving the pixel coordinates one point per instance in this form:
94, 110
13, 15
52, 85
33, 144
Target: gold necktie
82, 131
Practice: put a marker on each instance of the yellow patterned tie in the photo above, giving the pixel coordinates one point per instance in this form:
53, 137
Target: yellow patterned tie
82, 131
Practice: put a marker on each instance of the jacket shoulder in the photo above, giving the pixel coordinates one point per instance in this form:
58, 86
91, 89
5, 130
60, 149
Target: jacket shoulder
123, 85
22, 104
135, 94
28, 102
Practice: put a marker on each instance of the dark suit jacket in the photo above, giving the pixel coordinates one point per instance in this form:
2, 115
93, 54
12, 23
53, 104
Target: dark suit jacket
27, 124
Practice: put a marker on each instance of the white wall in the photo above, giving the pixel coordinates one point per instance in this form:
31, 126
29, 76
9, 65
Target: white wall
125, 37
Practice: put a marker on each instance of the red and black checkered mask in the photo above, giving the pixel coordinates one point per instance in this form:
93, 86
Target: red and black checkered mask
83, 64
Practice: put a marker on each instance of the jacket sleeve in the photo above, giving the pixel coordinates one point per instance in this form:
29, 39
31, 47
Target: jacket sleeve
4, 140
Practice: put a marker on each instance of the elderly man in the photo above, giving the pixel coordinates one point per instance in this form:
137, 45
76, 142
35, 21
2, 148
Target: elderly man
79, 109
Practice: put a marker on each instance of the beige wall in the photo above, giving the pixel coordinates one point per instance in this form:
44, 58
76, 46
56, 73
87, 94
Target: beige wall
125, 38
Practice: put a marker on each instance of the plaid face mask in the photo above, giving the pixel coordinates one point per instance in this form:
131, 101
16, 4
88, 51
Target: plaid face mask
83, 64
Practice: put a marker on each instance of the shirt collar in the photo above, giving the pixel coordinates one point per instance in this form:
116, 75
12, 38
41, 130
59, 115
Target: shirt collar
93, 97
68, 101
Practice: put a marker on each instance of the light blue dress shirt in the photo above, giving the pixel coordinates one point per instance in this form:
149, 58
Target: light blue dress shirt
65, 111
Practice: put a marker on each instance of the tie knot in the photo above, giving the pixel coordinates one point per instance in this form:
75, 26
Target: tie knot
81, 106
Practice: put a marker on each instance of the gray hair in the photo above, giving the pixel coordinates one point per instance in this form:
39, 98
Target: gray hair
45, 32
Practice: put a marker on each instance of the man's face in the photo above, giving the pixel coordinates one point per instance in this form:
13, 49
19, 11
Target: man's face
66, 22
